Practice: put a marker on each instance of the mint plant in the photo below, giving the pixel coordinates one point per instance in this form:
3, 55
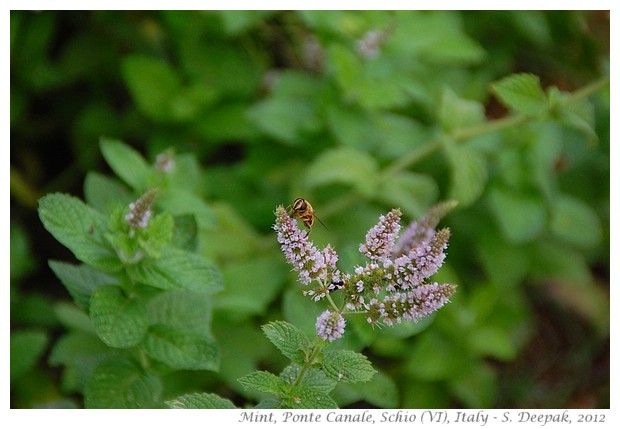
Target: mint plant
144, 289
390, 288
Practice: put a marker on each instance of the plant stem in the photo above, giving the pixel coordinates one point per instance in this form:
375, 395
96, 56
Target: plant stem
457, 135
315, 351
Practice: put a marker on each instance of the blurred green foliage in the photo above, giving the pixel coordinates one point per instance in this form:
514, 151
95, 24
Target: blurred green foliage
358, 112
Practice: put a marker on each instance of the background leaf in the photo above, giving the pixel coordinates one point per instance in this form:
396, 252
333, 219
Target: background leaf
522, 93
126, 162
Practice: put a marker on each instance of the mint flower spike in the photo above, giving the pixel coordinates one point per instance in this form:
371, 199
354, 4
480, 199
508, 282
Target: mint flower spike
140, 210
306, 259
418, 233
411, 305
422, 261
380, 238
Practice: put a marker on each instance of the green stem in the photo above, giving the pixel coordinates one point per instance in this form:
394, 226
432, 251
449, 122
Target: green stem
457, 135
587, 90
315, 352
332, 303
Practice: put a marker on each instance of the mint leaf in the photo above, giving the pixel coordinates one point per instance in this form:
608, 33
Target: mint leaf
126, 162
185, 232
177, 268
455, 112
522, 93
184, 309
577, 114
80, 228
468, 174
180, 202
308, 397
79, 352
347, 366
412, 192
105, 193
121, 383
265, 382
153, 85
576, 222
119, 321
181, 349
80, 280
200, 401
291, 341
343, 165
26, 348
521, 216
158, 234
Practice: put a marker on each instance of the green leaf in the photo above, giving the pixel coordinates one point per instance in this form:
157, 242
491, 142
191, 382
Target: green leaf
119, 321
185, 232
181, 202
153, 85
177, 268
121, 383
455, 112
251, 286
81, 281
492, 341
184, 309
347, 366
576, 222
343, 165
79, 352
80, 228
412, 192
264, 381
104, 193
126, 162
521, 216
468, 173
158, 234
434, 358
522, 93
576, 114
200, 401
181, 349
27, 346
285, 118
308, 398
476, 385
292, 342
381, 391
71, 317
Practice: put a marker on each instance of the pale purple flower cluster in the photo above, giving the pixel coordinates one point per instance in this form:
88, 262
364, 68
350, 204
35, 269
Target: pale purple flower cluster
391, 287
165, 161
330, 325
381, 237
140, 211
369, 46
310, 263
410, 305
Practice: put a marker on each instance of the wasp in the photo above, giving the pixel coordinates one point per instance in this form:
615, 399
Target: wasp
304, 211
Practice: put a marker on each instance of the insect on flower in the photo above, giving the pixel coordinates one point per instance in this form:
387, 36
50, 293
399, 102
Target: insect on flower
304, 211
